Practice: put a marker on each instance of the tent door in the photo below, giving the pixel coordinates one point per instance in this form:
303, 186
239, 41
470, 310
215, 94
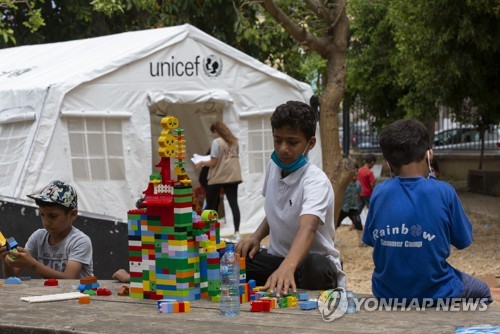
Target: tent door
195, 119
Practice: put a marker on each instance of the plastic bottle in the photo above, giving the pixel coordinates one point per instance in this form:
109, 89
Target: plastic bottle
351, 302
229, 283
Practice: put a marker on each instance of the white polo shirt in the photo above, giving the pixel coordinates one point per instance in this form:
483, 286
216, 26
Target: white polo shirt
305, 191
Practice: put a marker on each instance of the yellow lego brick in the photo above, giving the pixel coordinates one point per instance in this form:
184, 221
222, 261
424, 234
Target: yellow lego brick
178, 242
193, 260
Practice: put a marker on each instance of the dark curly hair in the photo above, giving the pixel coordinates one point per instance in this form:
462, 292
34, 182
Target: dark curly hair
404, 141
296, 115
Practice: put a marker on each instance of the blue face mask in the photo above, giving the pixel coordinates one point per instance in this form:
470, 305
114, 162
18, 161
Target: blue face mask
290, 168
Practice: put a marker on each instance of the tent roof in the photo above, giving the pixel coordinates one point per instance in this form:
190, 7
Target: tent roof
68, 64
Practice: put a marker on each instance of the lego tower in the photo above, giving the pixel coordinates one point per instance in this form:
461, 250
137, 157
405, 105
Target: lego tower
174, 253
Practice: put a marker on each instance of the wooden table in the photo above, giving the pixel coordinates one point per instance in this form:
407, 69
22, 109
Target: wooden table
115, 314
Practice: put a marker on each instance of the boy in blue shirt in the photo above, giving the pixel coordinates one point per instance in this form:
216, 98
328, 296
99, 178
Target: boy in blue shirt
413, 220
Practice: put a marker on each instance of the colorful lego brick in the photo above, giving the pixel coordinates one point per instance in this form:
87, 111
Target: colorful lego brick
302, 296
308, 305
11, 243
165, 300
259, 295
12, 280
291, 301
283, 302
84, 300
83, 287
51, 282
88, 280
266, 305
123, 291
175, 307
256, 306
3, 240
103, 292
272, 301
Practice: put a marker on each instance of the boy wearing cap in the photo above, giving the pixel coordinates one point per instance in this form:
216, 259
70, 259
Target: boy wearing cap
59, 250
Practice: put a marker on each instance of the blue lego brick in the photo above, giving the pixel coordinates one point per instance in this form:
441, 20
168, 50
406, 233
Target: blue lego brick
164, 301
12, 280
11, 243
303, 296
308, 305
83, 287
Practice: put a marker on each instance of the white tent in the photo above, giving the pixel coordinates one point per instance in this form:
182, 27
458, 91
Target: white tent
88, 112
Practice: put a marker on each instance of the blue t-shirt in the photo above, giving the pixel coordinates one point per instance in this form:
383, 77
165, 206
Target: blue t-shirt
411, 224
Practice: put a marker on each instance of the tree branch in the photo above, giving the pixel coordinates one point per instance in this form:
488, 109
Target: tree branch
299, 33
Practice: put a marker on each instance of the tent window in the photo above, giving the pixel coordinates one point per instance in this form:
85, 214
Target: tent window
12, 140
260, 143
96, 148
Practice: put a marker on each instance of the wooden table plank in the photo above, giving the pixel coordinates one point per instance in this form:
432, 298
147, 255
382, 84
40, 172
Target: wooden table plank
115, 314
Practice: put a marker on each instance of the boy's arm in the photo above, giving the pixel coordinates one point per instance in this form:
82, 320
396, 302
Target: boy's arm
372, 180
23, 259
283, 278
251, 245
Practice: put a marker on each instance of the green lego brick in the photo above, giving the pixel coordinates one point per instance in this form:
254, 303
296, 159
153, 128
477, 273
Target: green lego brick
135, 253
182, 219
154, 222
185, 279
183, 191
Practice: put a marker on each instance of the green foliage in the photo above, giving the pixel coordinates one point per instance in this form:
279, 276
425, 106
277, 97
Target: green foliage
448, 53
108, 7
33, 21
371, 72
408, 58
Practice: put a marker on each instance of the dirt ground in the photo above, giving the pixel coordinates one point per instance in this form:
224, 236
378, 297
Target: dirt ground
481, 258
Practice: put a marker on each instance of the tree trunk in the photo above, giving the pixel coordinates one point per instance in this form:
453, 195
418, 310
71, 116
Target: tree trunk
332, 47
338, 169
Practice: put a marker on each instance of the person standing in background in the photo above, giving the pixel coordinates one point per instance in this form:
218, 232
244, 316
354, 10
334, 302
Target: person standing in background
367, 180
224, 172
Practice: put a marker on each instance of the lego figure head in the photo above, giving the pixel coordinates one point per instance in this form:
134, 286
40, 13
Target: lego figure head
169, 122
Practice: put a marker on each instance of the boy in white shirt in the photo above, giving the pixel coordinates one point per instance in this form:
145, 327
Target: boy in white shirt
299, 207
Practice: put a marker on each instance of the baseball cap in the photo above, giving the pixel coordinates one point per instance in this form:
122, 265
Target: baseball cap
58, 192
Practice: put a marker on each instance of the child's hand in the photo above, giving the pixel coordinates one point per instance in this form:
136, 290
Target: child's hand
247, 247
122, 275
3, 252
21, 259
281, 280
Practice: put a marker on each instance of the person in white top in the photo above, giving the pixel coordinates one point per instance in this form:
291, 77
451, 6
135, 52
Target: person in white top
299, 207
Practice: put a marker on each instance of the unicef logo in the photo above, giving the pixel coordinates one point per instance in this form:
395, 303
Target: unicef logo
212, 66
332, 304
